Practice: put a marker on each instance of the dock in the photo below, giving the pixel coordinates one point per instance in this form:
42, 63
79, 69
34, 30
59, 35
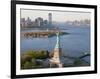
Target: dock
41, 34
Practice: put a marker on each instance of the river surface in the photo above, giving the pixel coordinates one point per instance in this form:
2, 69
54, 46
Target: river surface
74, 44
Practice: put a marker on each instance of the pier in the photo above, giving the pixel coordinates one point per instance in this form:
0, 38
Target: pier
41, 34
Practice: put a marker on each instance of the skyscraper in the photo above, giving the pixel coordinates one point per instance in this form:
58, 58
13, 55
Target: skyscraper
39, 21
22, 23
50, 19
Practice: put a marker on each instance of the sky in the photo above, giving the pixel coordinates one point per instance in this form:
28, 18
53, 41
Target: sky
58, 16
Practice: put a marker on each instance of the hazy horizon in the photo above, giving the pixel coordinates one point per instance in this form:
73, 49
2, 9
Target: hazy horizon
58, 16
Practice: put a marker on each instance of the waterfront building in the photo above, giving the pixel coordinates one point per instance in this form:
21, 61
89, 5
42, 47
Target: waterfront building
39, 21
28, 22
50, 19
22, 22
45, 23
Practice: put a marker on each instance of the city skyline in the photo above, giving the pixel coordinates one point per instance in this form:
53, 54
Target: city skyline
57, 16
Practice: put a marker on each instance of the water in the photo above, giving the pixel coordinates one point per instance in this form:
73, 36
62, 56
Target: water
74, 44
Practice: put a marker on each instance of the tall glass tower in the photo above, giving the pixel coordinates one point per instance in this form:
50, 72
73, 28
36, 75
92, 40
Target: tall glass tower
50, 19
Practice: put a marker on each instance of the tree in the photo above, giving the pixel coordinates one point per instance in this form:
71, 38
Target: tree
77, 62
27, 65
